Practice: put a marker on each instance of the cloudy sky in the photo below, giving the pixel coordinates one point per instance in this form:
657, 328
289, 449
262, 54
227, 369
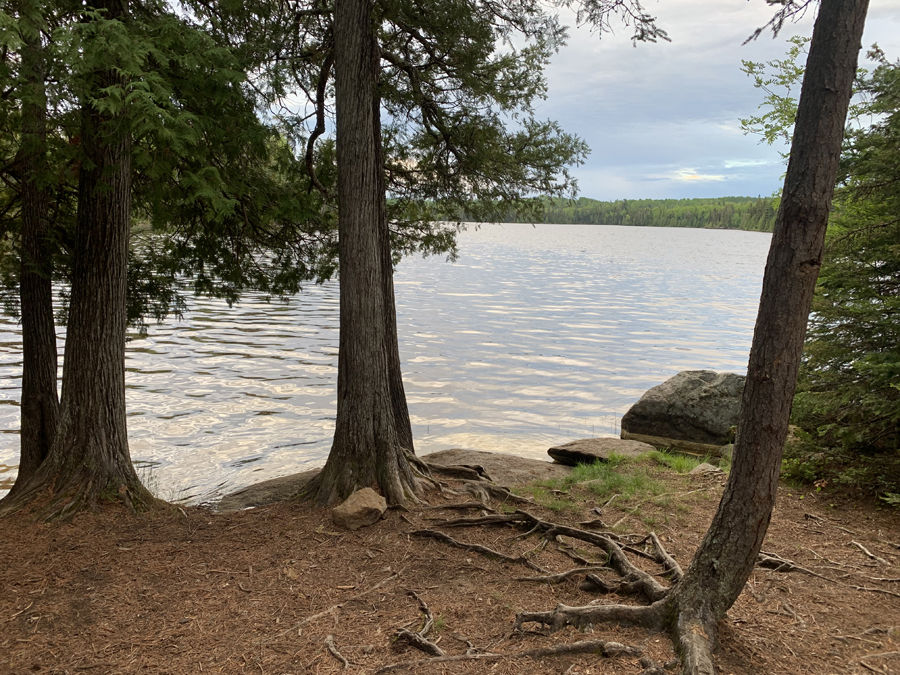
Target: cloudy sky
662, 119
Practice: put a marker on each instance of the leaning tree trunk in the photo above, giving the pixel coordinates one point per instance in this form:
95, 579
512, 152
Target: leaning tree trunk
366, 449
40, 402
729, 551
89, 458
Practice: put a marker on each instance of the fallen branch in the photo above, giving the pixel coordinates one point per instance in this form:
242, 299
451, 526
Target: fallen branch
869, 554
874, 590
606, 649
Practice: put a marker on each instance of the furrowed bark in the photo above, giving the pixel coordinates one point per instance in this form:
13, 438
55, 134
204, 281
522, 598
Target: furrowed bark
89, 457
367, 448
40, 402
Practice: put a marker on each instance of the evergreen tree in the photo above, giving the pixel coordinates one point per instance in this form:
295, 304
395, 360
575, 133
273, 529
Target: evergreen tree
849, 396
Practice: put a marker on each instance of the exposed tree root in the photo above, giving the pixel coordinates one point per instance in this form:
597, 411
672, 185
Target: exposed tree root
562, 576
463, 471
669, 608
478, 548
601, 647
419, 639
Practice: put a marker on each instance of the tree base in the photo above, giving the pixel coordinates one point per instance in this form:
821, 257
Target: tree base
57, 497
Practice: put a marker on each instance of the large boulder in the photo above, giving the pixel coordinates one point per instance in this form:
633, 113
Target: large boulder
361, 509
695, 411
590, 450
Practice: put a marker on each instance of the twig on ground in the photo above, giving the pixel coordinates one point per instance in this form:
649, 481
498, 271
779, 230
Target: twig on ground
330, 610
607, 649
329, 645
775, 562
874, 590
869, 554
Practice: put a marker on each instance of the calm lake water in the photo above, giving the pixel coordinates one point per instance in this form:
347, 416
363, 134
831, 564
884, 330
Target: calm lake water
535, 336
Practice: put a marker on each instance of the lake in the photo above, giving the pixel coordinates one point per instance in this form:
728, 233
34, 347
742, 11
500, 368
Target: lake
535, 336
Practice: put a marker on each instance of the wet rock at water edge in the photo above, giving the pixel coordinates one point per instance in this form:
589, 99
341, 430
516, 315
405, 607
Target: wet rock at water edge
590, 450
695, 411
361, 509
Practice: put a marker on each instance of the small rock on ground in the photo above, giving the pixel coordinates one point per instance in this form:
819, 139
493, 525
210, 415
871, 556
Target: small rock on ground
705, 468
361, 509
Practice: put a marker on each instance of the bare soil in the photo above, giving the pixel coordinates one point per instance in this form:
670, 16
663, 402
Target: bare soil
260, 591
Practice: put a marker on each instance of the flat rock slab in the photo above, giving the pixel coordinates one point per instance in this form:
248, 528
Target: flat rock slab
504, 469
267, 492
507, 470
590, 450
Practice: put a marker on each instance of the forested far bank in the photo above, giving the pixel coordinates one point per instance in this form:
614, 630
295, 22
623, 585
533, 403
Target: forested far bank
728, 213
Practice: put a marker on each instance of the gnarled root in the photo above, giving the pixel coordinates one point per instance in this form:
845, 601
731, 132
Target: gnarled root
671, 609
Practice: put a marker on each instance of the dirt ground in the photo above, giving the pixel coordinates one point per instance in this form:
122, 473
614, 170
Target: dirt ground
268, 590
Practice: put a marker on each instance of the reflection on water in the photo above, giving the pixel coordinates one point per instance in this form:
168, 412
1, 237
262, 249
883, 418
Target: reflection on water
535, 335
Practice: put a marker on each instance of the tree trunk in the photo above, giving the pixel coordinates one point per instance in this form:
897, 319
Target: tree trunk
366, 449
729, 551
392, 343
40, 402
89, 458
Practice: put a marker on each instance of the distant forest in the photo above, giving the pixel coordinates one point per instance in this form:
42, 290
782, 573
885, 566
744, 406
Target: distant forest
728, 213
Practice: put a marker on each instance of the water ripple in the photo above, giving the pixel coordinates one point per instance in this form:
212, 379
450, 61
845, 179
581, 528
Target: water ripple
535, 335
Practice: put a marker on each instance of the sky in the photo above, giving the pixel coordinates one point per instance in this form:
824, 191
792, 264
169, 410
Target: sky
662, 120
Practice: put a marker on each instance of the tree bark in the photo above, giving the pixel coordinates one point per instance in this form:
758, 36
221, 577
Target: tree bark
367, 448
40, 402
728, 553
89, 458
392, 342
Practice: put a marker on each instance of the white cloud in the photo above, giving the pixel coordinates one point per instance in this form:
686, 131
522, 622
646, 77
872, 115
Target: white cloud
649, 111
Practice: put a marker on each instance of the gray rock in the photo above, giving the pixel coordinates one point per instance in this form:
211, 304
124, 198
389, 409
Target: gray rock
267, 492
705, 468
694, 411
361, 509
590, 450
503, 468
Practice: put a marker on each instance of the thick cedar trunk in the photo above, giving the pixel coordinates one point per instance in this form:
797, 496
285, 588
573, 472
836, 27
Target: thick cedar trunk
40, 403
366, 448
89, 458
392, 344
726, 557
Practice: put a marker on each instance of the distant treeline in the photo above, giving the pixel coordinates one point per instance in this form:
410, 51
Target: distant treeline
729, 213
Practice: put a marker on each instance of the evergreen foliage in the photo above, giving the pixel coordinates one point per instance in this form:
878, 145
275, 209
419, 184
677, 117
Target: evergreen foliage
847, 406
848, 402
730, 213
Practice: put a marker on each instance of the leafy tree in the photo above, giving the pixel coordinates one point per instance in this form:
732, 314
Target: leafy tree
452, 126
172, 127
